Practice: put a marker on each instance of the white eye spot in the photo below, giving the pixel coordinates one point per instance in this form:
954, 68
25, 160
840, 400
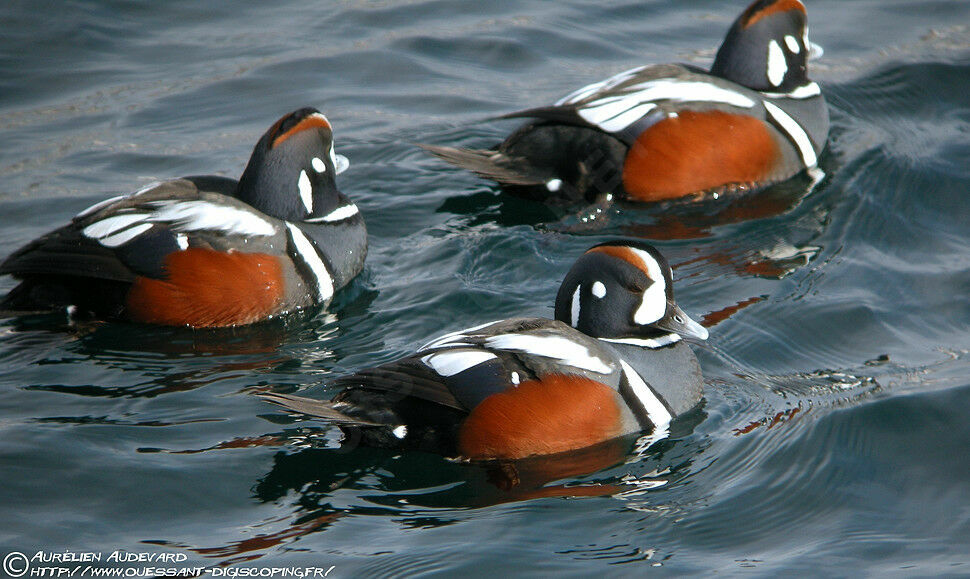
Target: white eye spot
599, 290
792, 43
400, 431
777, 67
306, 191
554, 185
515, 378
319, 166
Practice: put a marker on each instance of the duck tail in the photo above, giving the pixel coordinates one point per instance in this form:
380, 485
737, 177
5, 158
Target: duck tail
316, 408
490, 164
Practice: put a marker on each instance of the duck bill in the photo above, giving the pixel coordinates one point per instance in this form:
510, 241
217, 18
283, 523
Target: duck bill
814, 51
678, 322
340, 163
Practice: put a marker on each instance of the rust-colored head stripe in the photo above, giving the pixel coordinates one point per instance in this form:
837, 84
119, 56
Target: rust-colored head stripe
624, 253
757, 11
312, 121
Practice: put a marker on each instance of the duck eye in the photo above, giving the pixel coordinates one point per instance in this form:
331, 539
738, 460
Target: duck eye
679, 319
636, 287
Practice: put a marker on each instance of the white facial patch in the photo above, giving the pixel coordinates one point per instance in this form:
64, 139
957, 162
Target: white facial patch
777, 66
792, 43
182, 240
515, 378
553, 347
574, 307
554, 185
308, 253
453, 362
306, 191
599, 290
400, 431
654, 304
796, 132
318, 165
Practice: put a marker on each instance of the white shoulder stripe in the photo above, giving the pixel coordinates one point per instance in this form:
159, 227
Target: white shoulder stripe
796, 132
656, 411
99, 206
308, 253
454, 338
554, 347
200, 215
111, 225
616, 112
451, 362
592, 89
124, 236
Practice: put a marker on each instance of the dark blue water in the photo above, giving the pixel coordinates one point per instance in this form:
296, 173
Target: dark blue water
834, 436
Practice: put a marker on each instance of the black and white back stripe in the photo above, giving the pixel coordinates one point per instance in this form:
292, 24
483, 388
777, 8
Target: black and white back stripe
310, 262
650, 409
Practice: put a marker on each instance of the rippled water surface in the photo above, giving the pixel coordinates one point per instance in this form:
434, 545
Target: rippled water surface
833, 438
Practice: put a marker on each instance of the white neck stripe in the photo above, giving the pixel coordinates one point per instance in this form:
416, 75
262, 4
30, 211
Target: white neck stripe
652, 343
308, 253
338, 214
796, 132
656, 411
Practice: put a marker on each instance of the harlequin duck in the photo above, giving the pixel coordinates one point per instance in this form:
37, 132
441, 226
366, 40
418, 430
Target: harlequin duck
612, 363
207, 251
664, 132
